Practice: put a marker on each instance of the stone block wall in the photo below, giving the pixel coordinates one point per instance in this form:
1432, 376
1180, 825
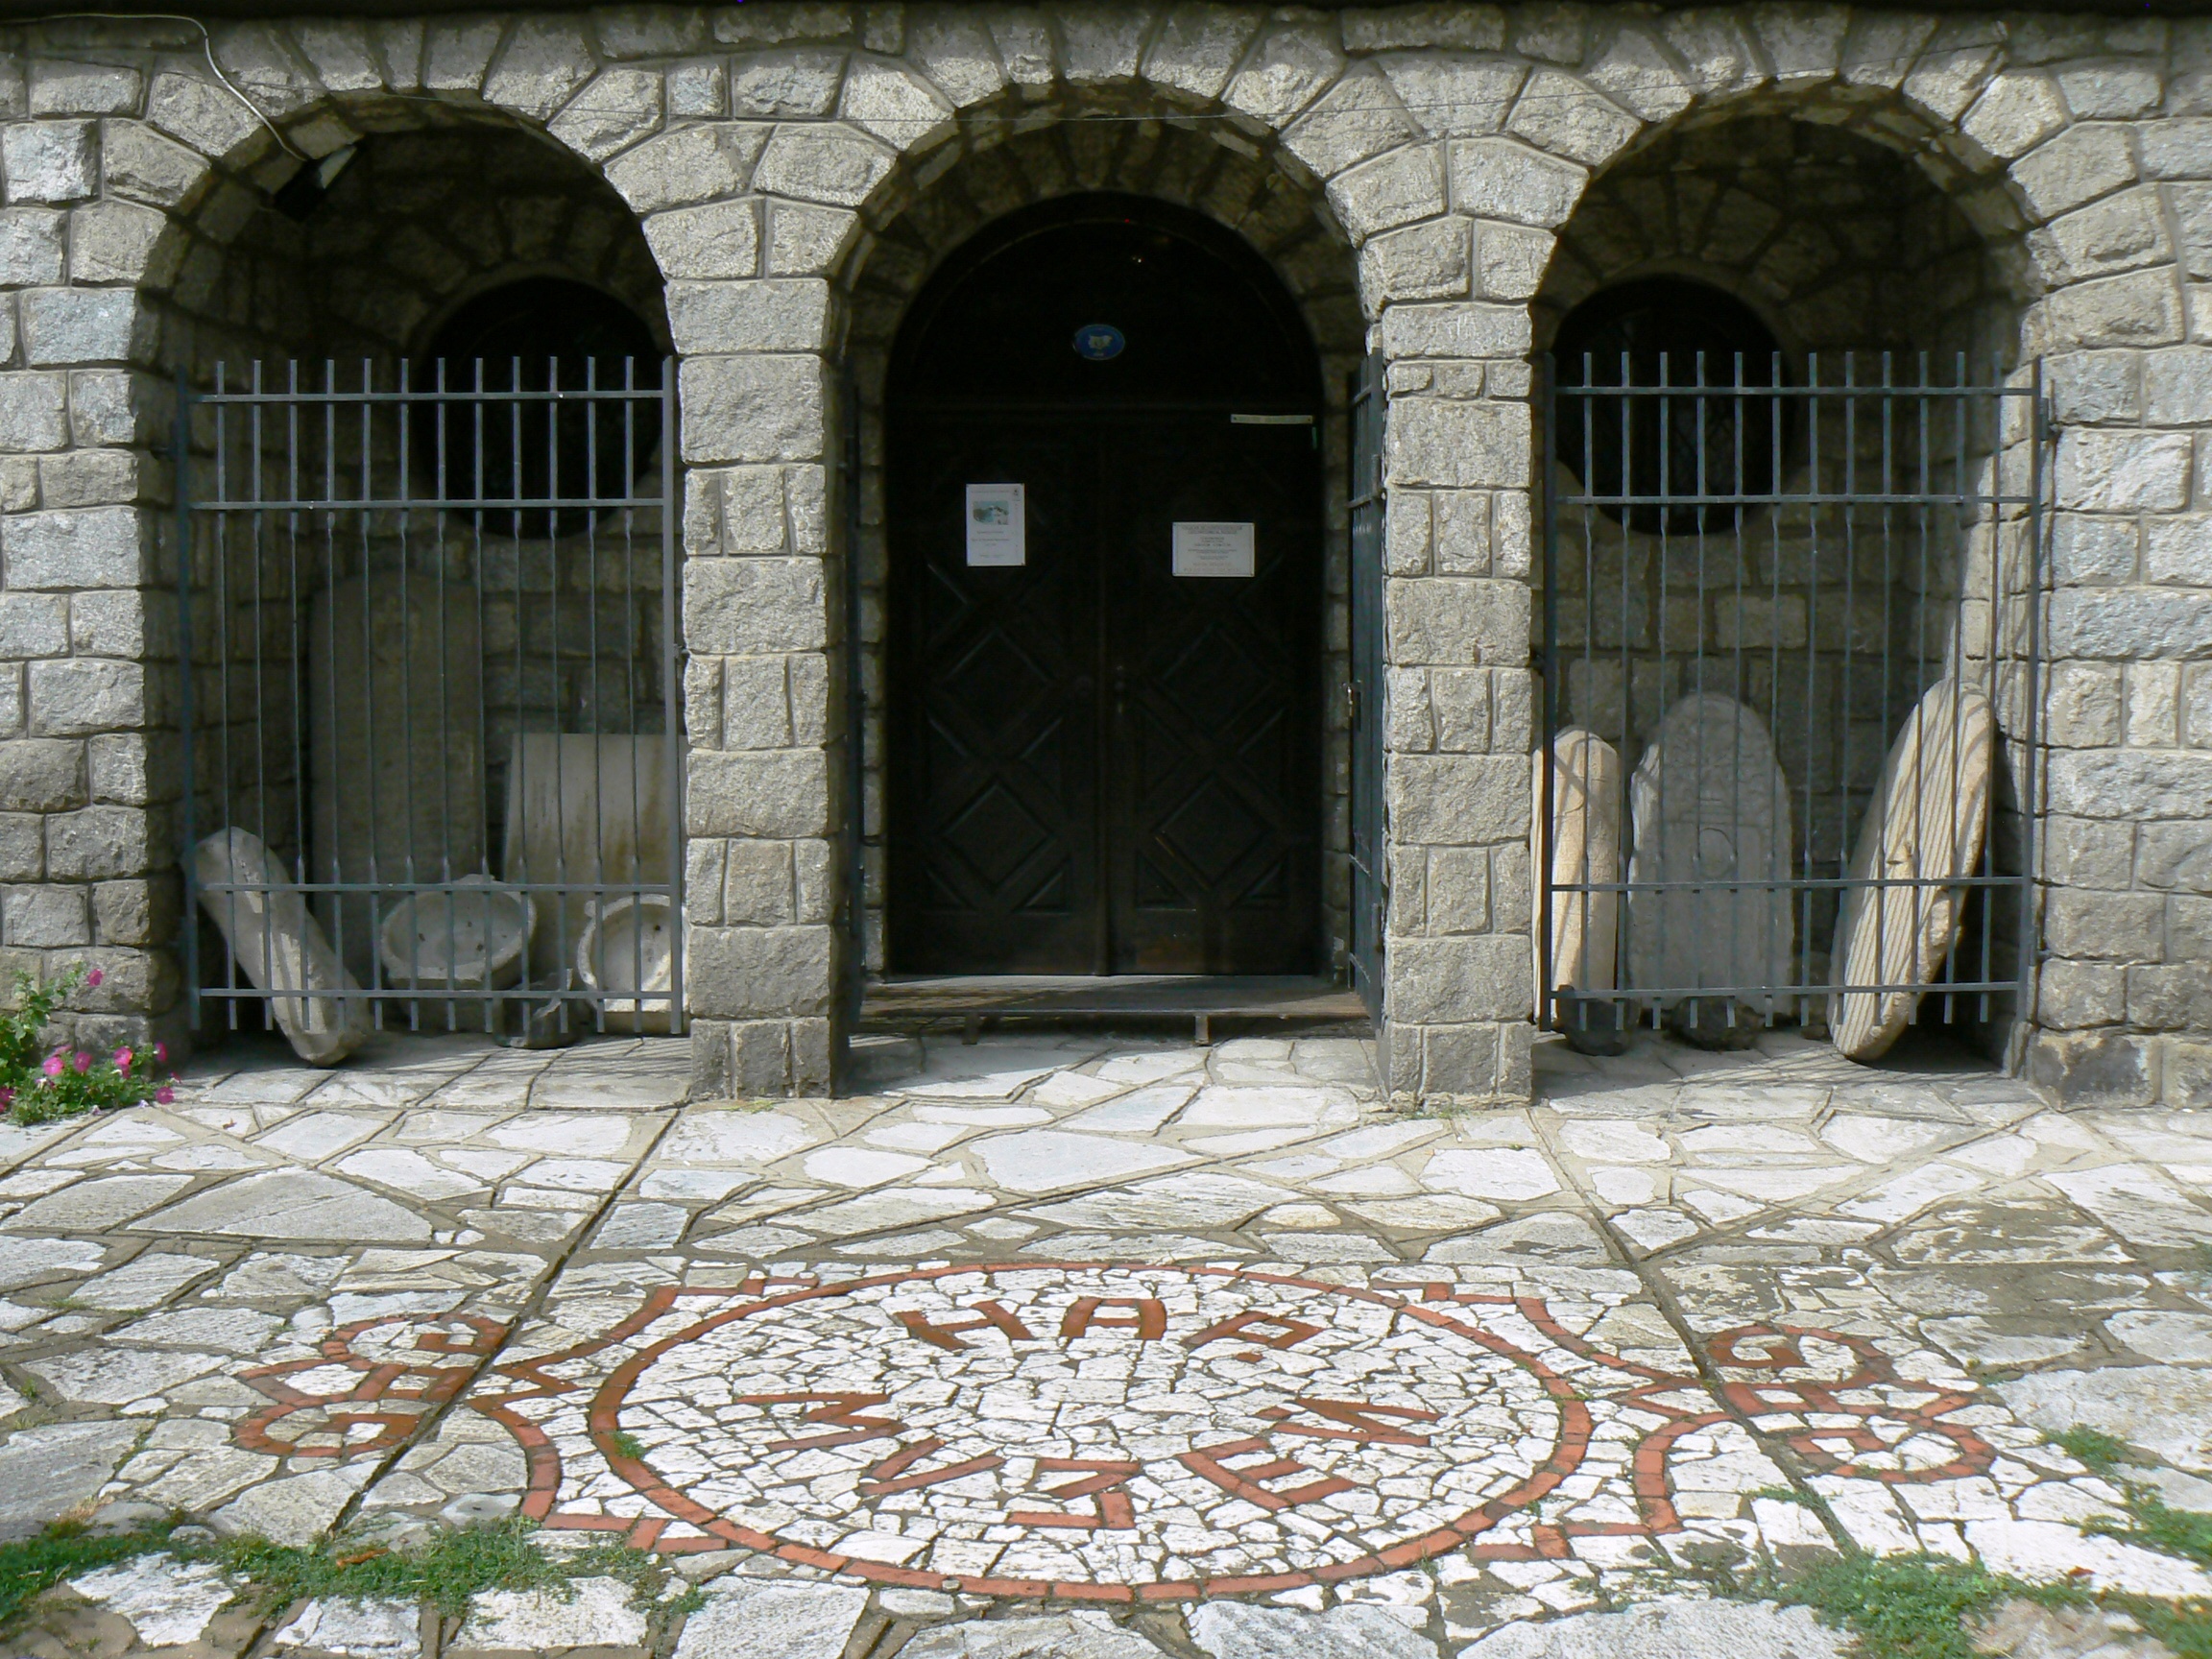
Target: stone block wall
768, 151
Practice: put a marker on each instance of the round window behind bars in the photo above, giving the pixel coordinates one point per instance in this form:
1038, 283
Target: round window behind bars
534, 468
1660, 459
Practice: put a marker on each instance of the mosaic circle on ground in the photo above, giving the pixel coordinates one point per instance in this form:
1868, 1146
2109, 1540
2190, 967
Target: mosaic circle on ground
1090, 1426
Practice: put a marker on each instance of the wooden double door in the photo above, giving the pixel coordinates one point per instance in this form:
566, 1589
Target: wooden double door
1098, 765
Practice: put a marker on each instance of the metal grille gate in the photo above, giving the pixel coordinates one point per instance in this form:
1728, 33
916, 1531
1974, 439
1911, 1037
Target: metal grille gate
1825, 547
431, 699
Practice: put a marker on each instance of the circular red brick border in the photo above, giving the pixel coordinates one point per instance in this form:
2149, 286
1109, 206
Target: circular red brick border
1567, 1453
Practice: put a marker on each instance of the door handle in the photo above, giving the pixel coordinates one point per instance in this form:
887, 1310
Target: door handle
1351, 703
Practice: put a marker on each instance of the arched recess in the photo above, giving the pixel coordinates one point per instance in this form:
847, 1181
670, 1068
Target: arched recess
342, 286
1829, 621
995, 165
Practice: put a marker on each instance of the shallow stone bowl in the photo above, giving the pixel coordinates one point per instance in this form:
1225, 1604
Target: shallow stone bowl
473, 937
627, 955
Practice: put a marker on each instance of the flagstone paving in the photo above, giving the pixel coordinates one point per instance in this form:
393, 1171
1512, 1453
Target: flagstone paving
1090, 1344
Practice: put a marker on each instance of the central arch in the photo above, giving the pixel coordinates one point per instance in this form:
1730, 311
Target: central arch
1105, 719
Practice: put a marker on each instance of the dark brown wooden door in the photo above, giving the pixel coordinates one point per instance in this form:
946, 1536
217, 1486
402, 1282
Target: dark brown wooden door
1098, 766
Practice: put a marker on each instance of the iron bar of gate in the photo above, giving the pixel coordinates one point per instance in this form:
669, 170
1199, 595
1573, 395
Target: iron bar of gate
2030, 804
1365, 686
1898, 476
1547, 806
187, 713
280, 437
849, 452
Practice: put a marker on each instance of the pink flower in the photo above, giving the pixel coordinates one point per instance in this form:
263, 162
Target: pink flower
122, 1059
162, 1053
6, 1096
53, 1065
95, 977
164, 1094
81, 1061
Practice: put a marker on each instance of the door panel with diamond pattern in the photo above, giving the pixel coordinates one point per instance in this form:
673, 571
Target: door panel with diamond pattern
1214, 797
1099, 766
995, 843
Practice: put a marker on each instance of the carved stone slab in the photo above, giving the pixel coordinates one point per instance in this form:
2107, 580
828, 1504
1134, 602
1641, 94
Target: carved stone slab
577, 806
1585, 848
1709, 804
1930, 812
280, 945
395, 695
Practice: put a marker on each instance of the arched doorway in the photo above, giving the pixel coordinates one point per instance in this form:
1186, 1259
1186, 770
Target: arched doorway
1106, 585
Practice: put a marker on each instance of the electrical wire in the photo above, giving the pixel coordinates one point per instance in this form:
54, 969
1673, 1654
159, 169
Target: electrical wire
206, 45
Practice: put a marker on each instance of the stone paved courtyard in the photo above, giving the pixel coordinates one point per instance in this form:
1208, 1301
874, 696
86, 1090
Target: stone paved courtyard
1087, 1344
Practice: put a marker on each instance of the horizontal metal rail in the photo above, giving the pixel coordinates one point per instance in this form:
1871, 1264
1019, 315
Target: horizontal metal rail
487, 504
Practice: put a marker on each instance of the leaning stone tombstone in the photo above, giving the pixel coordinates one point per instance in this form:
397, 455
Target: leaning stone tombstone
1586, 849
583, 810
394, 693
1926, 822
1708, 803
279, 946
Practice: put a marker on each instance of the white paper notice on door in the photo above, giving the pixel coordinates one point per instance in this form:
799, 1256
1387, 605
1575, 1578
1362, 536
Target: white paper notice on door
1213, 549
998, 531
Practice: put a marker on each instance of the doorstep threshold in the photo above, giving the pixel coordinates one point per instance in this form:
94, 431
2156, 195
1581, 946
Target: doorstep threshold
1200, 997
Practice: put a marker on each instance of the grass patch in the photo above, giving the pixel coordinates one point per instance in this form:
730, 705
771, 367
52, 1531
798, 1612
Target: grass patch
2187, 1629
626, 1444
2176, 1531
2094, 1447
1909, 1606
31, 1565
1784, 1495
444, 1569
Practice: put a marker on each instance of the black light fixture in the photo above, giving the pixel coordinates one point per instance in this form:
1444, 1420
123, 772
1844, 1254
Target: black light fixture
303, 193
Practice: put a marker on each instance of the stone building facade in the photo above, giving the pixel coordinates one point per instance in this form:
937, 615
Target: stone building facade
770, 184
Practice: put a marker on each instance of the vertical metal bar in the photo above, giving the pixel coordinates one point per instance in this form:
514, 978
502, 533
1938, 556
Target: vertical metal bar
303, 675
1807, 869
188, 924
257, 605
855, 707
1546, 975
2030, 802
670, 633
484, 757
1618, 1012
222, 603
1622, 1009
442, 579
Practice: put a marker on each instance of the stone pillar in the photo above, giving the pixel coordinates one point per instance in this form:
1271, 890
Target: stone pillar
760, 881
1458, 986
85, 628
2124, 1000
1455, 239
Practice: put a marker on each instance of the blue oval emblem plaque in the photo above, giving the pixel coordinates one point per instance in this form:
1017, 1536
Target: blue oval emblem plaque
1097, 342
